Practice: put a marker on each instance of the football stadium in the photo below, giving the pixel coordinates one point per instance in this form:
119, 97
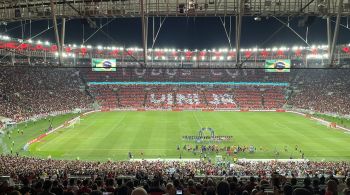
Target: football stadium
124, 97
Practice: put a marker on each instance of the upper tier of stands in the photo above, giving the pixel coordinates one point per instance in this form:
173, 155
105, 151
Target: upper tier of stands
185, 75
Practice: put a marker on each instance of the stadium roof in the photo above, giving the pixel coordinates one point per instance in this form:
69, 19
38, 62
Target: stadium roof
41, 9
19, 10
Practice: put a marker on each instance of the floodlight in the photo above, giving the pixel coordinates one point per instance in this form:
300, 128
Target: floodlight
258, 18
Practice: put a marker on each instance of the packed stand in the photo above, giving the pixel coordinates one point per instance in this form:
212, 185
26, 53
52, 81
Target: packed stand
189, 177
188, 96
28, 91
325, 91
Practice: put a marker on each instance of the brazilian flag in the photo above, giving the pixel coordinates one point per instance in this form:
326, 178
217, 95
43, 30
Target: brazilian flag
277, 65
103, 64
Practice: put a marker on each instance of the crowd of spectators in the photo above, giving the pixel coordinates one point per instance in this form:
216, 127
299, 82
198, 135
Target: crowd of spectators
320, 90
189, 96
325, 91
27, 91
57, 176
17, 165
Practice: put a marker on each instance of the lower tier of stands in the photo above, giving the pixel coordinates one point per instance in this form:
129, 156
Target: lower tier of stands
189, 97
46, 176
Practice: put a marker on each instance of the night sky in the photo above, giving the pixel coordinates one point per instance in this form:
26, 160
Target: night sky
182, 32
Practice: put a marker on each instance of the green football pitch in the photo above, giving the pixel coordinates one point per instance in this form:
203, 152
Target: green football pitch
157, 134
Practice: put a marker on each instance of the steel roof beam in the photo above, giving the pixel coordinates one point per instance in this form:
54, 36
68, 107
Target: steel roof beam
336, 33
144, 30
240, 5
54, 20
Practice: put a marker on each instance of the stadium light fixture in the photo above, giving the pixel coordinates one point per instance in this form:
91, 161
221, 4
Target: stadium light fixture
194, 58
283, 48
47, 43
258, 18
39, 42
6, 38
182, 58
89, 46
99, 47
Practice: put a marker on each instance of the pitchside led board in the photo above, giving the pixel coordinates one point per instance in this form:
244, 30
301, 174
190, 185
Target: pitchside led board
101, 65
277, 65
